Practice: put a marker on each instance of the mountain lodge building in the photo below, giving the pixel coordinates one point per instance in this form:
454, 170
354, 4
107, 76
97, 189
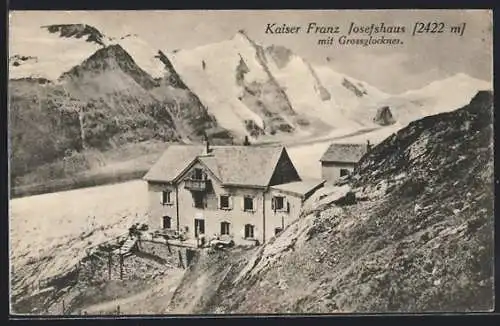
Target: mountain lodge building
249, 193
339, 160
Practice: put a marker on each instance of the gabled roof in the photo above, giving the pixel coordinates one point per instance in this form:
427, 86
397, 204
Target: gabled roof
301, 188
172, 162
232, 165
344, 153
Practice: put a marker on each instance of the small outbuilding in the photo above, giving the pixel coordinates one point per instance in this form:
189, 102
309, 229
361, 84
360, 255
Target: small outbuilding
339, 160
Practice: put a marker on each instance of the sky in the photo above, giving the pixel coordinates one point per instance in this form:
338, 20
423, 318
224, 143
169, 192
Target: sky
393, 69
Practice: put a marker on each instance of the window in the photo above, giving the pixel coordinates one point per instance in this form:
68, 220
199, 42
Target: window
198, 174
344, 172
199, 227
199, 199
224, 228
277, 231
225, 202
166, 197
279, 203
249, 231
167, 222
248, 204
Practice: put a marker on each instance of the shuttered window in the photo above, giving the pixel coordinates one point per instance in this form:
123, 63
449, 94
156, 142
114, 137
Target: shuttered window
280, 204
225, 202
248, 204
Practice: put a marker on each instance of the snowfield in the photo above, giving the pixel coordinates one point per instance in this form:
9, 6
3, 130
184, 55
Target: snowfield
215, 83
59, 226
437, 97
144, 55
54, 55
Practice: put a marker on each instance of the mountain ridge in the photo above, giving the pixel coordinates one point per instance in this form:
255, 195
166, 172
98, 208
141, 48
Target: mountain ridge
108, 56
230, 89
273, 77
77, 31
437, 97
282, 105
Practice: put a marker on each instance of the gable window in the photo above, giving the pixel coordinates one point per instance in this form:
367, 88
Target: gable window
166, 197
198, 174
167, 222
225, 202
224, 228
248, 204
199, 199
249, 231
344, 172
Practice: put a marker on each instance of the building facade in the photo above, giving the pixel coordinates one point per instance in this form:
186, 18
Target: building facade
339, 160
248, 193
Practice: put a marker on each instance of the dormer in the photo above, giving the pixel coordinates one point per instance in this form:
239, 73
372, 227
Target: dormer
197, 180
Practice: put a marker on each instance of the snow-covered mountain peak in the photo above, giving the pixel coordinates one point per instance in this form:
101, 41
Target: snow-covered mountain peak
91, 34
240, 77
436, 97
451, 84
57, 48
142, 53
60, 47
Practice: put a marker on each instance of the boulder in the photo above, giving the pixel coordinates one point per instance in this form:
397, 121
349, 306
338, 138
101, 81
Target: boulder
384, 116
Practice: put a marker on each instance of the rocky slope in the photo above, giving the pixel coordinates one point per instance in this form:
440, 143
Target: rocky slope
39, 131
411, 231
77, 31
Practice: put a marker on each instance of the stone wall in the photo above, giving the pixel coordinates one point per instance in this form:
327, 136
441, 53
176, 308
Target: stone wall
150, 260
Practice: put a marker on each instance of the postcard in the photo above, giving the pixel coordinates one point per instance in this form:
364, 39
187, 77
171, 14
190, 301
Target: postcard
250, 162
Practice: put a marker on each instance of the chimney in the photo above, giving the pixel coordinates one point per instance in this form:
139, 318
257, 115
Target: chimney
368, 145
206, 150
246, 142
